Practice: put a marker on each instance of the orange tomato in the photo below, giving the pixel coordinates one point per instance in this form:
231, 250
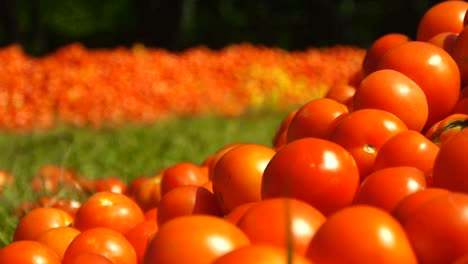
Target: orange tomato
315, 119
363, 132
140, 235
194, 239
58, 238
148, 194
89, 257
283, 222
110, 184
180, 174
313, 170
446, 16
446, 128
460, 53
28, 251
238, 212
238, 175
103, 241
261, 254
217, 155
279, 138
444, 40
342, 93
108, 209
361, 234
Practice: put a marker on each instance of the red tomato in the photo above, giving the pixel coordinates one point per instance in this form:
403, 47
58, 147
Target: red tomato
363, 133
261, 254
6, 180
40, 220
218, 155
285, 222
393, 92
438, 229
313, 170
386, 187
342, 93
180, 174
89, 257
108, 209
238, 212
446, 128
187, 200
110, 184
361, 234
104, 241
378, 49
460, 53
446, 16
444, 40
151, 214
408, 148
148, 194
238, 175
433, 69
194, 239
58, 238
27, 251
279, 138
451, 164
315, 119
140, 235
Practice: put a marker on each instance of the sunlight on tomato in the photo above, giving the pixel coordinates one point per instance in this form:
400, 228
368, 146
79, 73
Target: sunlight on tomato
28, 252
261, 254
58, 238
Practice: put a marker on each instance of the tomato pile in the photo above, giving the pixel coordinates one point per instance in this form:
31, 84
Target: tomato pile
374, 172
79, 86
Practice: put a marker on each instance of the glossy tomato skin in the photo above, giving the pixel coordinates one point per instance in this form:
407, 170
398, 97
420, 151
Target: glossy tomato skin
261, 254
140, 235
438, 229
433, 69
279, 139
313, 170
194, 239
30, 252
363, 132
58, 238
361, 234
342, 93
180, 174
446, 128
460, 53
396, 93
446, 16
238, 212
444, 40
89, 257
283, 222
451, 164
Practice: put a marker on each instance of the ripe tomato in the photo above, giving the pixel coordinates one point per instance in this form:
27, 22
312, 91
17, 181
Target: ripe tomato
279, 138
6, 180
342, 93
378, 49
411, 202
50, 178
451, 164
58, 238
313, 170
261, 254
361, 234
238, 212
446, 16
180, 174
384, 188
140, 235
433, 69
108, 209
363, 132
438, 229
187, 200
315, 119
104, 241
408, 148
151, 214
393, 92
460, 53
89, 257
28, 251
110, 184
447, 127
444, 40
194, 239
283, 222
148, 194
238, 175
217, 155
40, 220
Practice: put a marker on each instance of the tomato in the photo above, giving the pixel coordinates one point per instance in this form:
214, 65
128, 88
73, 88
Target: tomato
104, 241
378, 49
30, 252
284, 222
408, 148
433, 69
279, 138
180, 174
140, 235
446, 16
110, 184
238, 212
151, 214
438, 229
194, 239
217, 155
50, 178
384, 188
148, 194
447, 127
238, 175
313, 170
6, 180
451, 164
40, 220
135, 184
108, 209
444, 40
187, 200
393, 92
89, 257
363, 132
361, 234
460, 53
411, 202
315, 119
342, 93
261, 254
58, 238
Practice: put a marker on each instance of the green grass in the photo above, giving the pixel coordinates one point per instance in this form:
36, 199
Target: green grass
126, 152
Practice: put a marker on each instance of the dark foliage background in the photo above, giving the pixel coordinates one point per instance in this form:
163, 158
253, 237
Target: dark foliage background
42, 26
